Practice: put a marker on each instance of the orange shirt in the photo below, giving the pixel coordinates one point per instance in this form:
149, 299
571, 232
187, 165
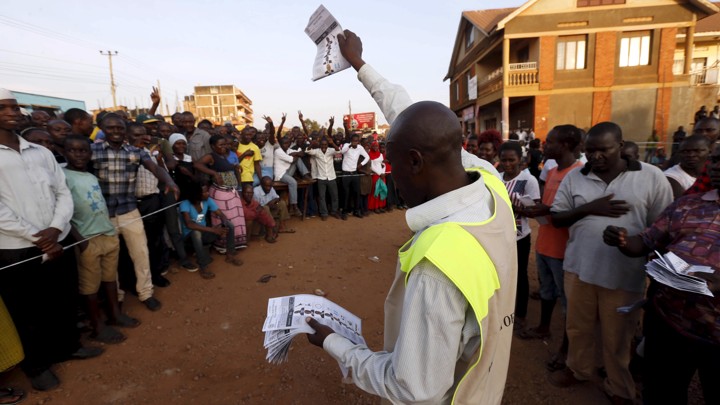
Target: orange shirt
551, 241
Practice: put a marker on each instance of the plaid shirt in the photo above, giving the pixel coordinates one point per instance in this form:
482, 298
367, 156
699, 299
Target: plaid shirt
690, 228
146, 183
116, 172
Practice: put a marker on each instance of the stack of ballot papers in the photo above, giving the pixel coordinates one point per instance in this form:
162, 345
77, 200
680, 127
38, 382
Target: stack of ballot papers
286, 319
674, 272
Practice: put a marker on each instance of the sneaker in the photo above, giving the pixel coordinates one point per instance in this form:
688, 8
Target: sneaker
44, 381
152, 304
190, 267
220, 250
160, 281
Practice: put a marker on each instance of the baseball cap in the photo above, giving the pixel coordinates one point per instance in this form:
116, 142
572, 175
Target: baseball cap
145, 119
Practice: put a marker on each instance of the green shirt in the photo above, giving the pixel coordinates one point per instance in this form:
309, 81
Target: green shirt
90, 213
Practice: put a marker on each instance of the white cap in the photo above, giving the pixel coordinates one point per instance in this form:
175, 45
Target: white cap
6, 94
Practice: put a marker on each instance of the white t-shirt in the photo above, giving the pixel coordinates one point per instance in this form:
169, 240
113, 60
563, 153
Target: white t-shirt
282, 163
268, 154
524, 187
678, 174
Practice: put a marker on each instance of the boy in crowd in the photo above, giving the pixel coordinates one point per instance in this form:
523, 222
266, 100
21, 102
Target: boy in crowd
266, 196
249, 155
254, 212
98, 257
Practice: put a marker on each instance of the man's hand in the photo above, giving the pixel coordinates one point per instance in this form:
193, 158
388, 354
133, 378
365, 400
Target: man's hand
607, 207
713, 281
331, 121
537, 210
220, 231
284, 117
300, 116
172, 187
218, 179
247, 153
321, 332
268, 119
47, 239
155, 95
615, 236
54, 252
351, 48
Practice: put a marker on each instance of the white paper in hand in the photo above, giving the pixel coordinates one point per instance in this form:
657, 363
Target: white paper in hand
323, 29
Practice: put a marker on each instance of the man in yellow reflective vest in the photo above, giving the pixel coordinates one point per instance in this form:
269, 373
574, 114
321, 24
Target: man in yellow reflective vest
449, 312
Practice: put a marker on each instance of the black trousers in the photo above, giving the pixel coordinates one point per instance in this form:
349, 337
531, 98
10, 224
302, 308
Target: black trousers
42, 301
671, 360
523, 286
351, 184
154, 227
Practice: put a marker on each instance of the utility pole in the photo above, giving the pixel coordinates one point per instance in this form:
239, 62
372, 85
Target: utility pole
161, 97
110, 54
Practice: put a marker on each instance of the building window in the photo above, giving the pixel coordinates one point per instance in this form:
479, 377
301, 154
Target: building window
571, 52
635, 49
469, 35
592, 3
215, 100
457, 91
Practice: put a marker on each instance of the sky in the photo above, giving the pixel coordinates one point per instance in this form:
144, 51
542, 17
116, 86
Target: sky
260, 46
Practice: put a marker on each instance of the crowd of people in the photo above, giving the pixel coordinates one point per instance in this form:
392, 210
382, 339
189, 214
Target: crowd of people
82, 201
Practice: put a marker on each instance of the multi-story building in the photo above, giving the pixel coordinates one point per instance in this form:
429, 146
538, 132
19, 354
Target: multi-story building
551, 62
219, 104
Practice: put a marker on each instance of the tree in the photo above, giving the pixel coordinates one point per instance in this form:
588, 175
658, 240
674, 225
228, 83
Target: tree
312, 125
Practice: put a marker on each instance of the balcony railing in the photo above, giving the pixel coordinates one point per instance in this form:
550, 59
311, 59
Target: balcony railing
522, 74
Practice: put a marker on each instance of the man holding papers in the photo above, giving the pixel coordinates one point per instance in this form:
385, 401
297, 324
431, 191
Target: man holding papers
682, 329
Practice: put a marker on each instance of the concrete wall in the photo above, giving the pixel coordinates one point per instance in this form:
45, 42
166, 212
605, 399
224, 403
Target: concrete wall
575, 109
681, 110
634, 111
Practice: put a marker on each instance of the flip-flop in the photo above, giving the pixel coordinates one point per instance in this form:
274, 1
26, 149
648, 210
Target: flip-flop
207, 274
109, 335
288, 230
11, 396
125, 321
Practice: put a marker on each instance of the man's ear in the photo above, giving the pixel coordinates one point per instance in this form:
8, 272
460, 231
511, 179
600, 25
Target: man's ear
416, 161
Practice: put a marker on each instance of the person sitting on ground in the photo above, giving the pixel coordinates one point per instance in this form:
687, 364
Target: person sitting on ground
630, 151
195, 211
489, 143
266, 196
285, 167
225, 181
682, 332
98, 257
254, 212
39, 136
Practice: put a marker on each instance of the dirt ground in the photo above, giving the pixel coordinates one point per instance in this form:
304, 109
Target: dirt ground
206, 346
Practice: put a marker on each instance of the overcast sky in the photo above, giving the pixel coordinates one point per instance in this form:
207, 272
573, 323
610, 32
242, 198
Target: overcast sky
52, 48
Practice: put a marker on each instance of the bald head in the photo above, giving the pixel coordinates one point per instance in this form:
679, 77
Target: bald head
431, 128
423, 147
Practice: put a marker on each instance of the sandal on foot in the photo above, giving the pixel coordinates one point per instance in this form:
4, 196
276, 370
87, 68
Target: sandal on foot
207, 274
11, 396
532, 333
124, 321
234, 261
556, 363
108, 335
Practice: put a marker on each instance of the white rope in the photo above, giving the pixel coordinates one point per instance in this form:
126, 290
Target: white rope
87, 239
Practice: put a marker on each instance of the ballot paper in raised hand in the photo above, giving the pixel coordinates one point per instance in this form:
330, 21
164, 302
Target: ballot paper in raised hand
671, 270
286, 319
323, 29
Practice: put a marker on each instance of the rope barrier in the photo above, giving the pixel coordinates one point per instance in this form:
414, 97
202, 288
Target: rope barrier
44, 256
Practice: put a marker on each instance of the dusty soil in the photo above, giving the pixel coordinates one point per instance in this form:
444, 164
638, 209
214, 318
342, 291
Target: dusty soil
206, 346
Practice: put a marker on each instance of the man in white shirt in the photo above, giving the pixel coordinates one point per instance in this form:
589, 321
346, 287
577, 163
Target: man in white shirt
35, 211
285, 165
322, 162
431, 333
351, 180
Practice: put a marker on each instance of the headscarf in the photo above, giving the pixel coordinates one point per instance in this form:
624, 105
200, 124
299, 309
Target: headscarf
374, 155
176, 137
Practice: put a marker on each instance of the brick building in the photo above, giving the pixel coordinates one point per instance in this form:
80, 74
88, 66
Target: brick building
220, 103
551, 62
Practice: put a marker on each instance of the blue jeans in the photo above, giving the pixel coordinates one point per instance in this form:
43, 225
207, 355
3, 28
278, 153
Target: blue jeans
288, 179
201, 242
266, 172
551, 275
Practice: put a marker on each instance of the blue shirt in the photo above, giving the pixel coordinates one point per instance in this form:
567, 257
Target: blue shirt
199, 218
